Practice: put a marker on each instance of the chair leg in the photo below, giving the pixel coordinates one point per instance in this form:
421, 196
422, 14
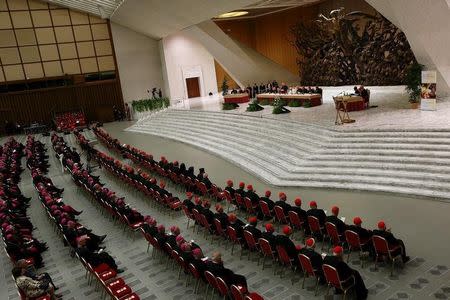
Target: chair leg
264, 262
392, 267
304, 278
317, 286
345, 294
148, 247
349, 252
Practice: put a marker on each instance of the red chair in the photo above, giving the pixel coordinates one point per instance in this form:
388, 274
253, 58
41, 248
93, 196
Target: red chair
202, 188
239, 200
121, 292
222, 287
239, 293
249, 206
253, 296
383, 249
308, 270
333, 234
232, 234
188, 214
333, 280
284, 259
355, 243
197, 219
295, 221
206, 225
279, 214
132, 296
267, 251
228, 198
193, 270
215, 192
251, 243
265, 209
219, 229
314, 226
212, 281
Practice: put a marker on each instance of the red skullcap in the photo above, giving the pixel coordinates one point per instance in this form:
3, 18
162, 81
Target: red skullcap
241, 184
269, 227
313, 204
232, 217
335, 210
298, 202
381, 225
229, 182
197, 200
282, 196
268, 193
338, 250
189, 195
250, 187
357, 221
310, 242
287, 230
252, 220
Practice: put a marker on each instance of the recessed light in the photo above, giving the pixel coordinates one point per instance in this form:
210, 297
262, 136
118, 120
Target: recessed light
233, 14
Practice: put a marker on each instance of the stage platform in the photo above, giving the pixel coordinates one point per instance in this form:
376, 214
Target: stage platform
393, 111
313, 99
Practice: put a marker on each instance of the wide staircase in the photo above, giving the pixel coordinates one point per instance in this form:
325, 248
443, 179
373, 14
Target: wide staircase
286, 153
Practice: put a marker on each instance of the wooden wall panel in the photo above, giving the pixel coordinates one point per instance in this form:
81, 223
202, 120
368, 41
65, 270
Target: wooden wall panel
220, 74
270, 35
38, 105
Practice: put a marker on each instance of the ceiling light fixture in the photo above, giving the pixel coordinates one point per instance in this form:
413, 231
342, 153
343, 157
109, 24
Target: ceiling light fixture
233, 14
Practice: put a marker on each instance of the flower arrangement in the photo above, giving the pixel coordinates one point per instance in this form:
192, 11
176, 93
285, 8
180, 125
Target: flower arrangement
150, 104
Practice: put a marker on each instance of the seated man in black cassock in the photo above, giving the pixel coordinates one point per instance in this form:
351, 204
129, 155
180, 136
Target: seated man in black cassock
282, 203
316, 212
206, 181
251, 227
236, 224
269, 236
301, 214
229, 188
334, 219
392, 241
188, 202
252, 196
288, 244
344, 271
267, 200
314, 257
365, 235
221, 216
215, 266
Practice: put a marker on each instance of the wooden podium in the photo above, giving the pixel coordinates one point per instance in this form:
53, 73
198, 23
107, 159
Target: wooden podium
341, 102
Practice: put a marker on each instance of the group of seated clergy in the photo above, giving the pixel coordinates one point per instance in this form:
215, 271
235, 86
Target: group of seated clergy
16, 227
364, 234
146, 159
279, 240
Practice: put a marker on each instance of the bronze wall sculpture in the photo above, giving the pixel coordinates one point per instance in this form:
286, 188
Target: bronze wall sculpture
351, 48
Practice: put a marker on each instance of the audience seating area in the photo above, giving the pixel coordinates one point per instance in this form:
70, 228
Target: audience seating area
69, 121
125, 173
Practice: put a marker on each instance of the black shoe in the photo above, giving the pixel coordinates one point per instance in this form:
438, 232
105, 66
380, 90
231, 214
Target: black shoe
101, 238
406, 259
120, 271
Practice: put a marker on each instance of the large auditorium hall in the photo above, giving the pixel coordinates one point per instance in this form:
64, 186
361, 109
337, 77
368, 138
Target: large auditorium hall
242, 150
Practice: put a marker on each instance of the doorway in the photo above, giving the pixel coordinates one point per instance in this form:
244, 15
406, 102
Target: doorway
193, 87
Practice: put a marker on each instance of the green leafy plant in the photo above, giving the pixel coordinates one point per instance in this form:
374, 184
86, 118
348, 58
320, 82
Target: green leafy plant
254, 106
413, 81
150, 104
225, 86
295, 103
307, 104
278, 106
229, 106
264, 102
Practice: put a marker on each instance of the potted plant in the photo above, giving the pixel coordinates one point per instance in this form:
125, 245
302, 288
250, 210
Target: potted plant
413, 81
224, 86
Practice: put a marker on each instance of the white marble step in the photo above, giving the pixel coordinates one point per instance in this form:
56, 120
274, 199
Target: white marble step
394, 140
396, 146
428, 180
268, 176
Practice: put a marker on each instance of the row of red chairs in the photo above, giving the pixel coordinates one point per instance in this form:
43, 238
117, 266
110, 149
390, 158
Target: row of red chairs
105, 276
158, 251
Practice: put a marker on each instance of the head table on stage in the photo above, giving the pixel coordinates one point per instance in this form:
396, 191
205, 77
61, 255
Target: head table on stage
314, 99
236, 98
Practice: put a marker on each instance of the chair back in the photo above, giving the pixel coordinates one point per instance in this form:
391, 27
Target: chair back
239, 200
314, 224
248, 205
294, 219
232, 234
381, 245
236, 293
283, 255
214, 191
279, 213
168, 248
187, 212
194, 271
332, 233
266, 249
219, 228
250, 239
204, 221
227, 196
196, 216
306, 264
175, 255
265, 208
222, 287
211, 279
203, 189
353, 239
331, 276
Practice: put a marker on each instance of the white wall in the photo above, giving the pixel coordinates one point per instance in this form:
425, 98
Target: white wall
183, 55
139, 62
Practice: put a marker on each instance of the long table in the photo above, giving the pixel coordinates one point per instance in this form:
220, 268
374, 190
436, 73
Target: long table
236, 98
314, 99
